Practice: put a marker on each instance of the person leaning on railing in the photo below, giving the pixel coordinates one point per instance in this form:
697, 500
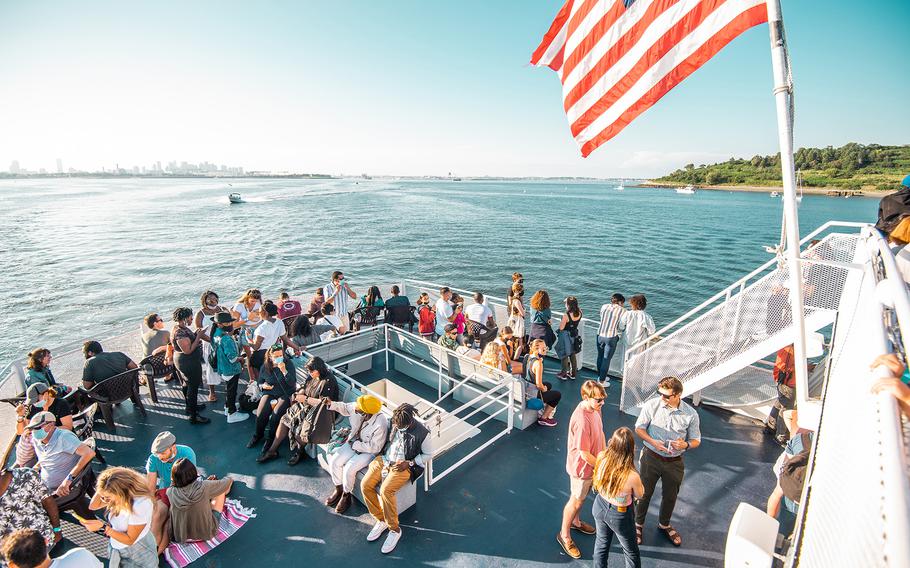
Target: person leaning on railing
636, 324
894, 384
39, 370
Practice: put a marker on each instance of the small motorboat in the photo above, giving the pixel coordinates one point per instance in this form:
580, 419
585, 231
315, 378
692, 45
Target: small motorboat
775, 194
235, 198
688, 190
621, 186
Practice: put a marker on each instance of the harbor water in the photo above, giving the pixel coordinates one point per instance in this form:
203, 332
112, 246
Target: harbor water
80, 256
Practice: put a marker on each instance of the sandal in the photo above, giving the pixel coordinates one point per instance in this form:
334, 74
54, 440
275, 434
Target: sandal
638, 533
672, 535
213, 398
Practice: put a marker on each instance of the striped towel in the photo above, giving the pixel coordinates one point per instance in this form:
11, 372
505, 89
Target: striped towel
233, 517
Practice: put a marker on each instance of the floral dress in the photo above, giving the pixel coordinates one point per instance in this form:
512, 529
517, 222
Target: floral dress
20, 504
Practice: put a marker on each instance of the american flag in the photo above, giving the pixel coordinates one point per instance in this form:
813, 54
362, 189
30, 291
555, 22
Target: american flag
616, 58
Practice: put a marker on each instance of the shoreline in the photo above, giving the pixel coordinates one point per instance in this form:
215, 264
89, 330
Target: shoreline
826, 191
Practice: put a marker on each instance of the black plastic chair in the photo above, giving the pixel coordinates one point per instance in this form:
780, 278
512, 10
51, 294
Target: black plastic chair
78, 499
84, 429
365, 316
154, 367
400, 316
481, 333
115, 390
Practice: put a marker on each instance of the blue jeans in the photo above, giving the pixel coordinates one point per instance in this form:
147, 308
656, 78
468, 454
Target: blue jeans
609, 521
606, 347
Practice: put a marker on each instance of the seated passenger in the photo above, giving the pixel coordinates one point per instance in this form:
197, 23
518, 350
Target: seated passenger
369, 429
61, 456
128, 506
159, 470
509, 347
26, 548
321, 384
330, 318
406, 454
269, 333
278, 380
287, 307
304, 332
26, 504
789, 472
534, 375
196, 503
156, 339
316, 303
397, 299
38, 398
373, 298
100, 365
480, 313
492, 356
449, 338
39, 371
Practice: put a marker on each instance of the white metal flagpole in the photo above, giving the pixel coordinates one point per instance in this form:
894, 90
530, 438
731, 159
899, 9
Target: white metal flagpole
783, 93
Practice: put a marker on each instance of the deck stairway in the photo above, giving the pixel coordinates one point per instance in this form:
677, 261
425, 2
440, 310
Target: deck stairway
721, 349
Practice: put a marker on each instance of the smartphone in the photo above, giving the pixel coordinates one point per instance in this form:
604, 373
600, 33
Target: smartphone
83, 519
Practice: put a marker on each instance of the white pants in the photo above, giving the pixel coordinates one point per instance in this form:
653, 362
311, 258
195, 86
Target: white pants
344, 463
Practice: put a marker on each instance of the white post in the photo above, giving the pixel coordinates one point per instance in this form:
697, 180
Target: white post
783, 92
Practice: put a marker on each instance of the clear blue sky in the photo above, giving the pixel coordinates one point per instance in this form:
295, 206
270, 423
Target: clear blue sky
409, 87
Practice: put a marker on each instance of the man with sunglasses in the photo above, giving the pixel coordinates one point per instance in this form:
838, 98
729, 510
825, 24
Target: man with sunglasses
669, 427
585, 440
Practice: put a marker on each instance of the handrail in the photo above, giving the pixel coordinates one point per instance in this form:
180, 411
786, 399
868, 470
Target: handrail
741, 281
901, 302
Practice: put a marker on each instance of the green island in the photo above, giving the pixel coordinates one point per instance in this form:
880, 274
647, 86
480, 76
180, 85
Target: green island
855, 167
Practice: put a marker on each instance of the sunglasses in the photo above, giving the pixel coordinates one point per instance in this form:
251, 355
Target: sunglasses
666, 396
599, 400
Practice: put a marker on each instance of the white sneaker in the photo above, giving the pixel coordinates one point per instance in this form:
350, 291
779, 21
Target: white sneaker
237, 417
377, 531
390, 541
606, 384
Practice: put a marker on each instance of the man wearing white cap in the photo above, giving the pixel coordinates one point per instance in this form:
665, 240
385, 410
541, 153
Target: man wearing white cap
61, 456
369, 429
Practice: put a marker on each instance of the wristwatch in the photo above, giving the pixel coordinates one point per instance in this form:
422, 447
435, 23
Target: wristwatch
57, 529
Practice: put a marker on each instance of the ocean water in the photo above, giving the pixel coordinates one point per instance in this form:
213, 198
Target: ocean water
82, 255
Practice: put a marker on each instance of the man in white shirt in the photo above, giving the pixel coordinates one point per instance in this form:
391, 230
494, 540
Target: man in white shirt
479, 312
26, 548
445, 313
339, 294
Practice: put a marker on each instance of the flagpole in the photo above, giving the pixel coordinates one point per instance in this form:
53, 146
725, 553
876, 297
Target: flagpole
783, 93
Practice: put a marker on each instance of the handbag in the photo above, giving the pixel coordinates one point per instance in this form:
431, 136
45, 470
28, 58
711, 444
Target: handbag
317, 425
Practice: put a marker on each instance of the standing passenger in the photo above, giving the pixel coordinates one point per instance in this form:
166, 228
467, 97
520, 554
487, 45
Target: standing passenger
585, 441
569, 339
339, 294
205, 322
188, 360
445, 314
608, 335
637, 324
617, 485
540, 319
669, 427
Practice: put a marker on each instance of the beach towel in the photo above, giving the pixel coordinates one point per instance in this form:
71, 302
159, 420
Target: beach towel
233, 517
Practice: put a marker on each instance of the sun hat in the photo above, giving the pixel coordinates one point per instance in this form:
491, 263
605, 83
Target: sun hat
224, 317
163, 441
35, 391
368, 404
41, 419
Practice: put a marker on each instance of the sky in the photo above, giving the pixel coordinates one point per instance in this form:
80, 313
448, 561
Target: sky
409, 88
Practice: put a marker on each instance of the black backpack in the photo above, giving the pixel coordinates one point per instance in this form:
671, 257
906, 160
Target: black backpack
213, 351
793, 471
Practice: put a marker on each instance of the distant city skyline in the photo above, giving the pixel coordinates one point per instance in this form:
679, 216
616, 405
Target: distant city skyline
389, 89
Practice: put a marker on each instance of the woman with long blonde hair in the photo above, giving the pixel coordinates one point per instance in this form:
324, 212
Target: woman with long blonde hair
617, 484
128, 504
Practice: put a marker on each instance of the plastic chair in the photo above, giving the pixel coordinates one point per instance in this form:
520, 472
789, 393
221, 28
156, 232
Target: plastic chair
400, 316
365, 316
84, 429
154, 367
115, 390
481, 333
77, 500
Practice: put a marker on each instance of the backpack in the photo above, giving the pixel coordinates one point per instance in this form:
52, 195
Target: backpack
427, 321
213, 351
793, 471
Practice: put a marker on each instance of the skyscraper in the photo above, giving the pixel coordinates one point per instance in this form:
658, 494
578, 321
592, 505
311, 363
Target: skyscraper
14, 167
59, 166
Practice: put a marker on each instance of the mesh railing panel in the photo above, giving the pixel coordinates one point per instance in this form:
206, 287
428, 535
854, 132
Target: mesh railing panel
749, 324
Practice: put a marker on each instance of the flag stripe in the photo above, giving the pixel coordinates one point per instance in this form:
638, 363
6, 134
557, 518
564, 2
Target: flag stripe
673, 26
554, 40
601, 33
751, 17
610, 50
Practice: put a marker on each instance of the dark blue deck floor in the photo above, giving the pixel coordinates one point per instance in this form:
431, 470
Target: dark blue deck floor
503, 508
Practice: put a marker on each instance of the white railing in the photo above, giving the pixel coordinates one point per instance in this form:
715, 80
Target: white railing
856, 501
740, 325
501, 395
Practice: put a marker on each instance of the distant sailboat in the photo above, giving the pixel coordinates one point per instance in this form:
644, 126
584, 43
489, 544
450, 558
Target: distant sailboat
621, 186
688, 190
799, 186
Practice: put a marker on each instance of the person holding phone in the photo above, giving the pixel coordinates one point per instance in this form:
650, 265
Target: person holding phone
128, 503
669, 427
278, 380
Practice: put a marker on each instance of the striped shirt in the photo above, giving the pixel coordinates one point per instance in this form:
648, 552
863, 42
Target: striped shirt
610, 315
342, 299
